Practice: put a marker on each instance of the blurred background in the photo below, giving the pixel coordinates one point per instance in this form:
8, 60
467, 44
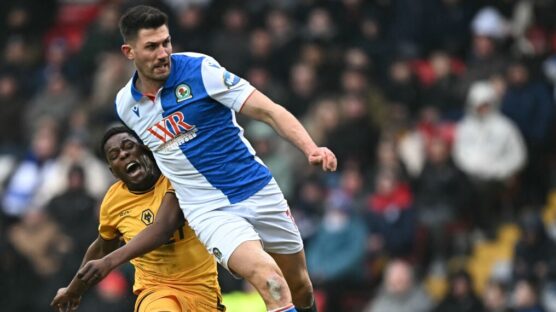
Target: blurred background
441, 113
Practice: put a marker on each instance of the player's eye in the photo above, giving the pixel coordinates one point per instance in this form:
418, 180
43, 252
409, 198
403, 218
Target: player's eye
128, 145
166, 43
113, 155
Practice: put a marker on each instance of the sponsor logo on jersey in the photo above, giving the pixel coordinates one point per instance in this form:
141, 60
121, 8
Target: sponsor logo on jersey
230, 79
135, 109
173, 130
183, 92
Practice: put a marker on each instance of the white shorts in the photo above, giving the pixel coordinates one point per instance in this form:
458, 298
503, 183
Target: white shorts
265, 216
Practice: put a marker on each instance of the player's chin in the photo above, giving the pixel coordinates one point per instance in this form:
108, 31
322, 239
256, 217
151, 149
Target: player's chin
136, 177
161, 73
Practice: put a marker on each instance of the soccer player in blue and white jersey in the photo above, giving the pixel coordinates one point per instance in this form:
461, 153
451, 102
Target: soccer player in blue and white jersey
183, 107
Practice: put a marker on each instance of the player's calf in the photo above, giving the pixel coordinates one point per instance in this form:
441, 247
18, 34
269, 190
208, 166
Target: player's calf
295, 271
251, 262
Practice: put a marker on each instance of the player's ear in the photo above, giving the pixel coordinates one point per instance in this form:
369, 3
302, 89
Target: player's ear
127, 51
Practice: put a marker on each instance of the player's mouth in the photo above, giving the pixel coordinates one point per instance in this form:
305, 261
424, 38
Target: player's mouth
133, 169
161, 68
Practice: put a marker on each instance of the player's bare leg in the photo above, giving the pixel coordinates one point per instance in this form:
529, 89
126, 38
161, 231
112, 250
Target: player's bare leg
251, 262
295, 271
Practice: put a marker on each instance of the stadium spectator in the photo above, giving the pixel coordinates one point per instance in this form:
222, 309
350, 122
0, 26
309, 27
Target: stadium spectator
334, 256
530, 106
20, 194
11, 122
390, 217
460, 296
73, 210
74, 152
534, 253
526, 296
440, 196
495, 297
400, 291
489, 149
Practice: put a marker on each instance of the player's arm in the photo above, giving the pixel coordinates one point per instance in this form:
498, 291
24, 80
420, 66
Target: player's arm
68, 298
167, 221
260, 107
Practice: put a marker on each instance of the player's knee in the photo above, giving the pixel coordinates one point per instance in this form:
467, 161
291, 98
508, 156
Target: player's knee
302, 288
263, 272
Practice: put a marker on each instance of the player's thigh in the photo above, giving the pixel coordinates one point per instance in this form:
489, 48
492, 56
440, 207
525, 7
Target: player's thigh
158, 301
249, 258
222, 232
276, 227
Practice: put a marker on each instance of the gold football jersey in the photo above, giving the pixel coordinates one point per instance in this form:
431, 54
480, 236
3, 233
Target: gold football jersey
183, 262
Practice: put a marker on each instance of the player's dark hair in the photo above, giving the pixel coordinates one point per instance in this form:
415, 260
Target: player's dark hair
140, 17
112, 132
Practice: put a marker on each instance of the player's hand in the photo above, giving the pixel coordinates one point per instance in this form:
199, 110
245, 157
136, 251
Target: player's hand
324, 157
65, 301
94, 271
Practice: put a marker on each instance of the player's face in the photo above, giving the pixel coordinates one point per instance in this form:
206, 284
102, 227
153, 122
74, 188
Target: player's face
151, 52
129, 161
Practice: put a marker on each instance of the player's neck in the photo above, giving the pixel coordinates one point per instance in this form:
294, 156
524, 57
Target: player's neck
147, 185
147, 86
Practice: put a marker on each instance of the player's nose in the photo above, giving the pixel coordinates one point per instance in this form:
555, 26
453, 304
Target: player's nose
124, 154
162, 53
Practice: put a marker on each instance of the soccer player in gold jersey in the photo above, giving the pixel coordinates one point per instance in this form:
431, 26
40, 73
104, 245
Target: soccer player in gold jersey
141, 208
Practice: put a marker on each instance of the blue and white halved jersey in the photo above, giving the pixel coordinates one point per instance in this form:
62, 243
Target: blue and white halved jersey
191, 128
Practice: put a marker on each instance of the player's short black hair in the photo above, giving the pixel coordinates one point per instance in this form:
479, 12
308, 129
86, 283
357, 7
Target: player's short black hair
140, 17
112, 132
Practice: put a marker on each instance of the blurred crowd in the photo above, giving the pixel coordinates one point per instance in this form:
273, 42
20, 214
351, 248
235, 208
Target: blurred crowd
441, 113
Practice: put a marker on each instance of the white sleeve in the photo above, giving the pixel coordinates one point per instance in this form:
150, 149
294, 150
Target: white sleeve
513, 152
224, 86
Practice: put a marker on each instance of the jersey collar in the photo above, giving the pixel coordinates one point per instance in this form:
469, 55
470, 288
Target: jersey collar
137, 95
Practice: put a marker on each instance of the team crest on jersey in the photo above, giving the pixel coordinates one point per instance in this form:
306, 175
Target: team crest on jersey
147, 216
230, 79
183, 92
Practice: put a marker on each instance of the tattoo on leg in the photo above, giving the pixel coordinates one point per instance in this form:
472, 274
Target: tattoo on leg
274, 288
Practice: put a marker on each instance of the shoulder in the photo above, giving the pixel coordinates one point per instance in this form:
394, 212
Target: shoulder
113, 195
125, 91
189, 60
189, 56
163, 185
503, 123
124, 97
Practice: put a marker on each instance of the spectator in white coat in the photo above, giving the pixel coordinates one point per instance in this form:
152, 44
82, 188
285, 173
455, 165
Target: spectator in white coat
487, 146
